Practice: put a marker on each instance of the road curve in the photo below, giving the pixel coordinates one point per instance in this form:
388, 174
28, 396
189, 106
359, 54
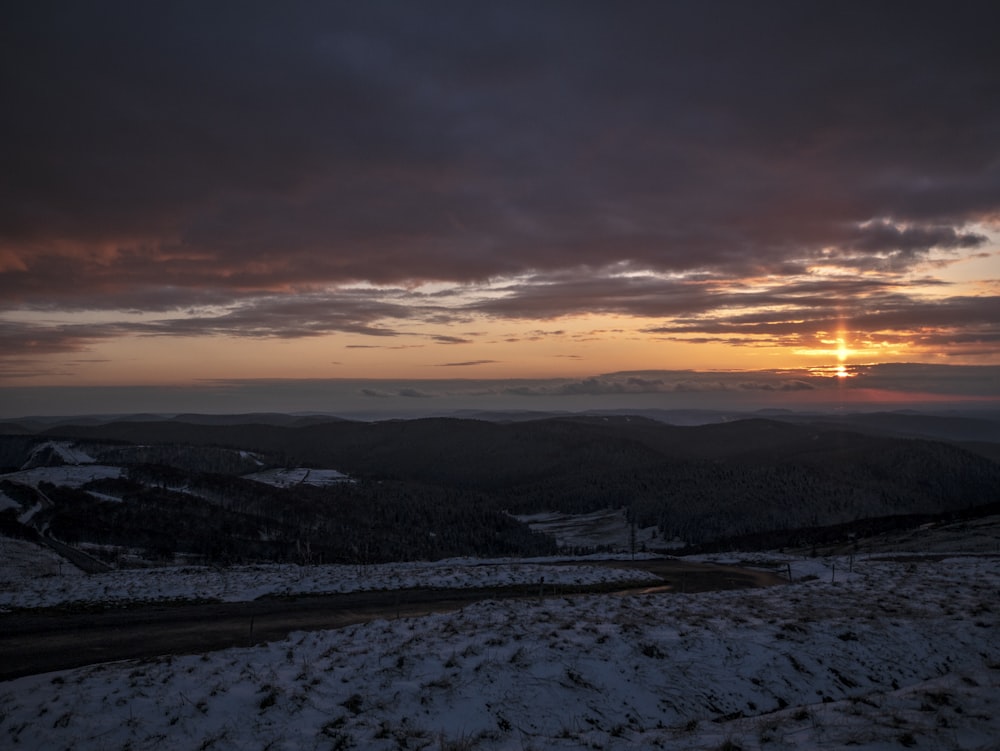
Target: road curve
34, 642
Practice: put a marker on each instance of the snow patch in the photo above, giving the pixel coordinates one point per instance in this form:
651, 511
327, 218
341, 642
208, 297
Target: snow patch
26, 516
21, 561
608, 528
252, 456
66, 451
242, 583
68, 476
7, 502
286, 478
104, 497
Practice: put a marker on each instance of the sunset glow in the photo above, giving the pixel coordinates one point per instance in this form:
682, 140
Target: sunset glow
842, 350
376, 195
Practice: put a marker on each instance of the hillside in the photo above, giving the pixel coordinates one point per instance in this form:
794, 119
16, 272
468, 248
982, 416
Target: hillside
443, 486
894, 654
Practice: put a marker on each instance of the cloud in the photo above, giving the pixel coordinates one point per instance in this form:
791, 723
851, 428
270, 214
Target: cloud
248, 170
670, 382
981, 380
885, 246
445, 339
20, 339
17, 369
268, 182
887, 314
413, 393
465, 364
881, 386
410, 393
791, 385
913, 378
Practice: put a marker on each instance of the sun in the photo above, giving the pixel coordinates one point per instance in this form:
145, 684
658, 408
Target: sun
843, 352
837, 348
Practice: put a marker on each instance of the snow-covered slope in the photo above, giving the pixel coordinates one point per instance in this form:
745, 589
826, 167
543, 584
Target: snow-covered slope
607, 527
57, 452
71, 476
286, 478
900, 654
242, 583
23, 562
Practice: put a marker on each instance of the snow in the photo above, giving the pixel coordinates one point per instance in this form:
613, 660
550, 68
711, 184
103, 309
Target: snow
242, 583
68, 475
286, 478
7, 502
828, 568
604, 528
899, 654
104, 497
73, 476
28, 514
65, 450
24, 561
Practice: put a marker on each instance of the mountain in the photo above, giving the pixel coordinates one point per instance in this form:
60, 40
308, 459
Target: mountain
758, 476
909, 425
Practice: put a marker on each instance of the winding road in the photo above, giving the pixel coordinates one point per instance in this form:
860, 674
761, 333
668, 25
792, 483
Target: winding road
40, 641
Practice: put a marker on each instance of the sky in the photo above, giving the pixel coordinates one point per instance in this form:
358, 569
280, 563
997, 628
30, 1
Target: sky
378, 203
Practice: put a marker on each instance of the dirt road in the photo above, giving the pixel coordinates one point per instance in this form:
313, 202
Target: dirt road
41, 641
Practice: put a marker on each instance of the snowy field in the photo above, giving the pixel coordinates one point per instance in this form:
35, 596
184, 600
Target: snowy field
67, 452
70, 475
899, 654
608, 528
33, 577
871, 652
287, 478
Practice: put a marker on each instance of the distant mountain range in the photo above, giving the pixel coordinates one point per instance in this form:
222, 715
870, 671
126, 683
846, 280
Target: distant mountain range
953, 425
697, 483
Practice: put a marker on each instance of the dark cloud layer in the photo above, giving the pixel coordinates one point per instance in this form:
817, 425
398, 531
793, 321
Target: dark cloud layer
245, 157
466, 363
672, 382
972, 386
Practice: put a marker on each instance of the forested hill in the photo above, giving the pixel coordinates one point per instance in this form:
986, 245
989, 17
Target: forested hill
697, 483
452, 450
